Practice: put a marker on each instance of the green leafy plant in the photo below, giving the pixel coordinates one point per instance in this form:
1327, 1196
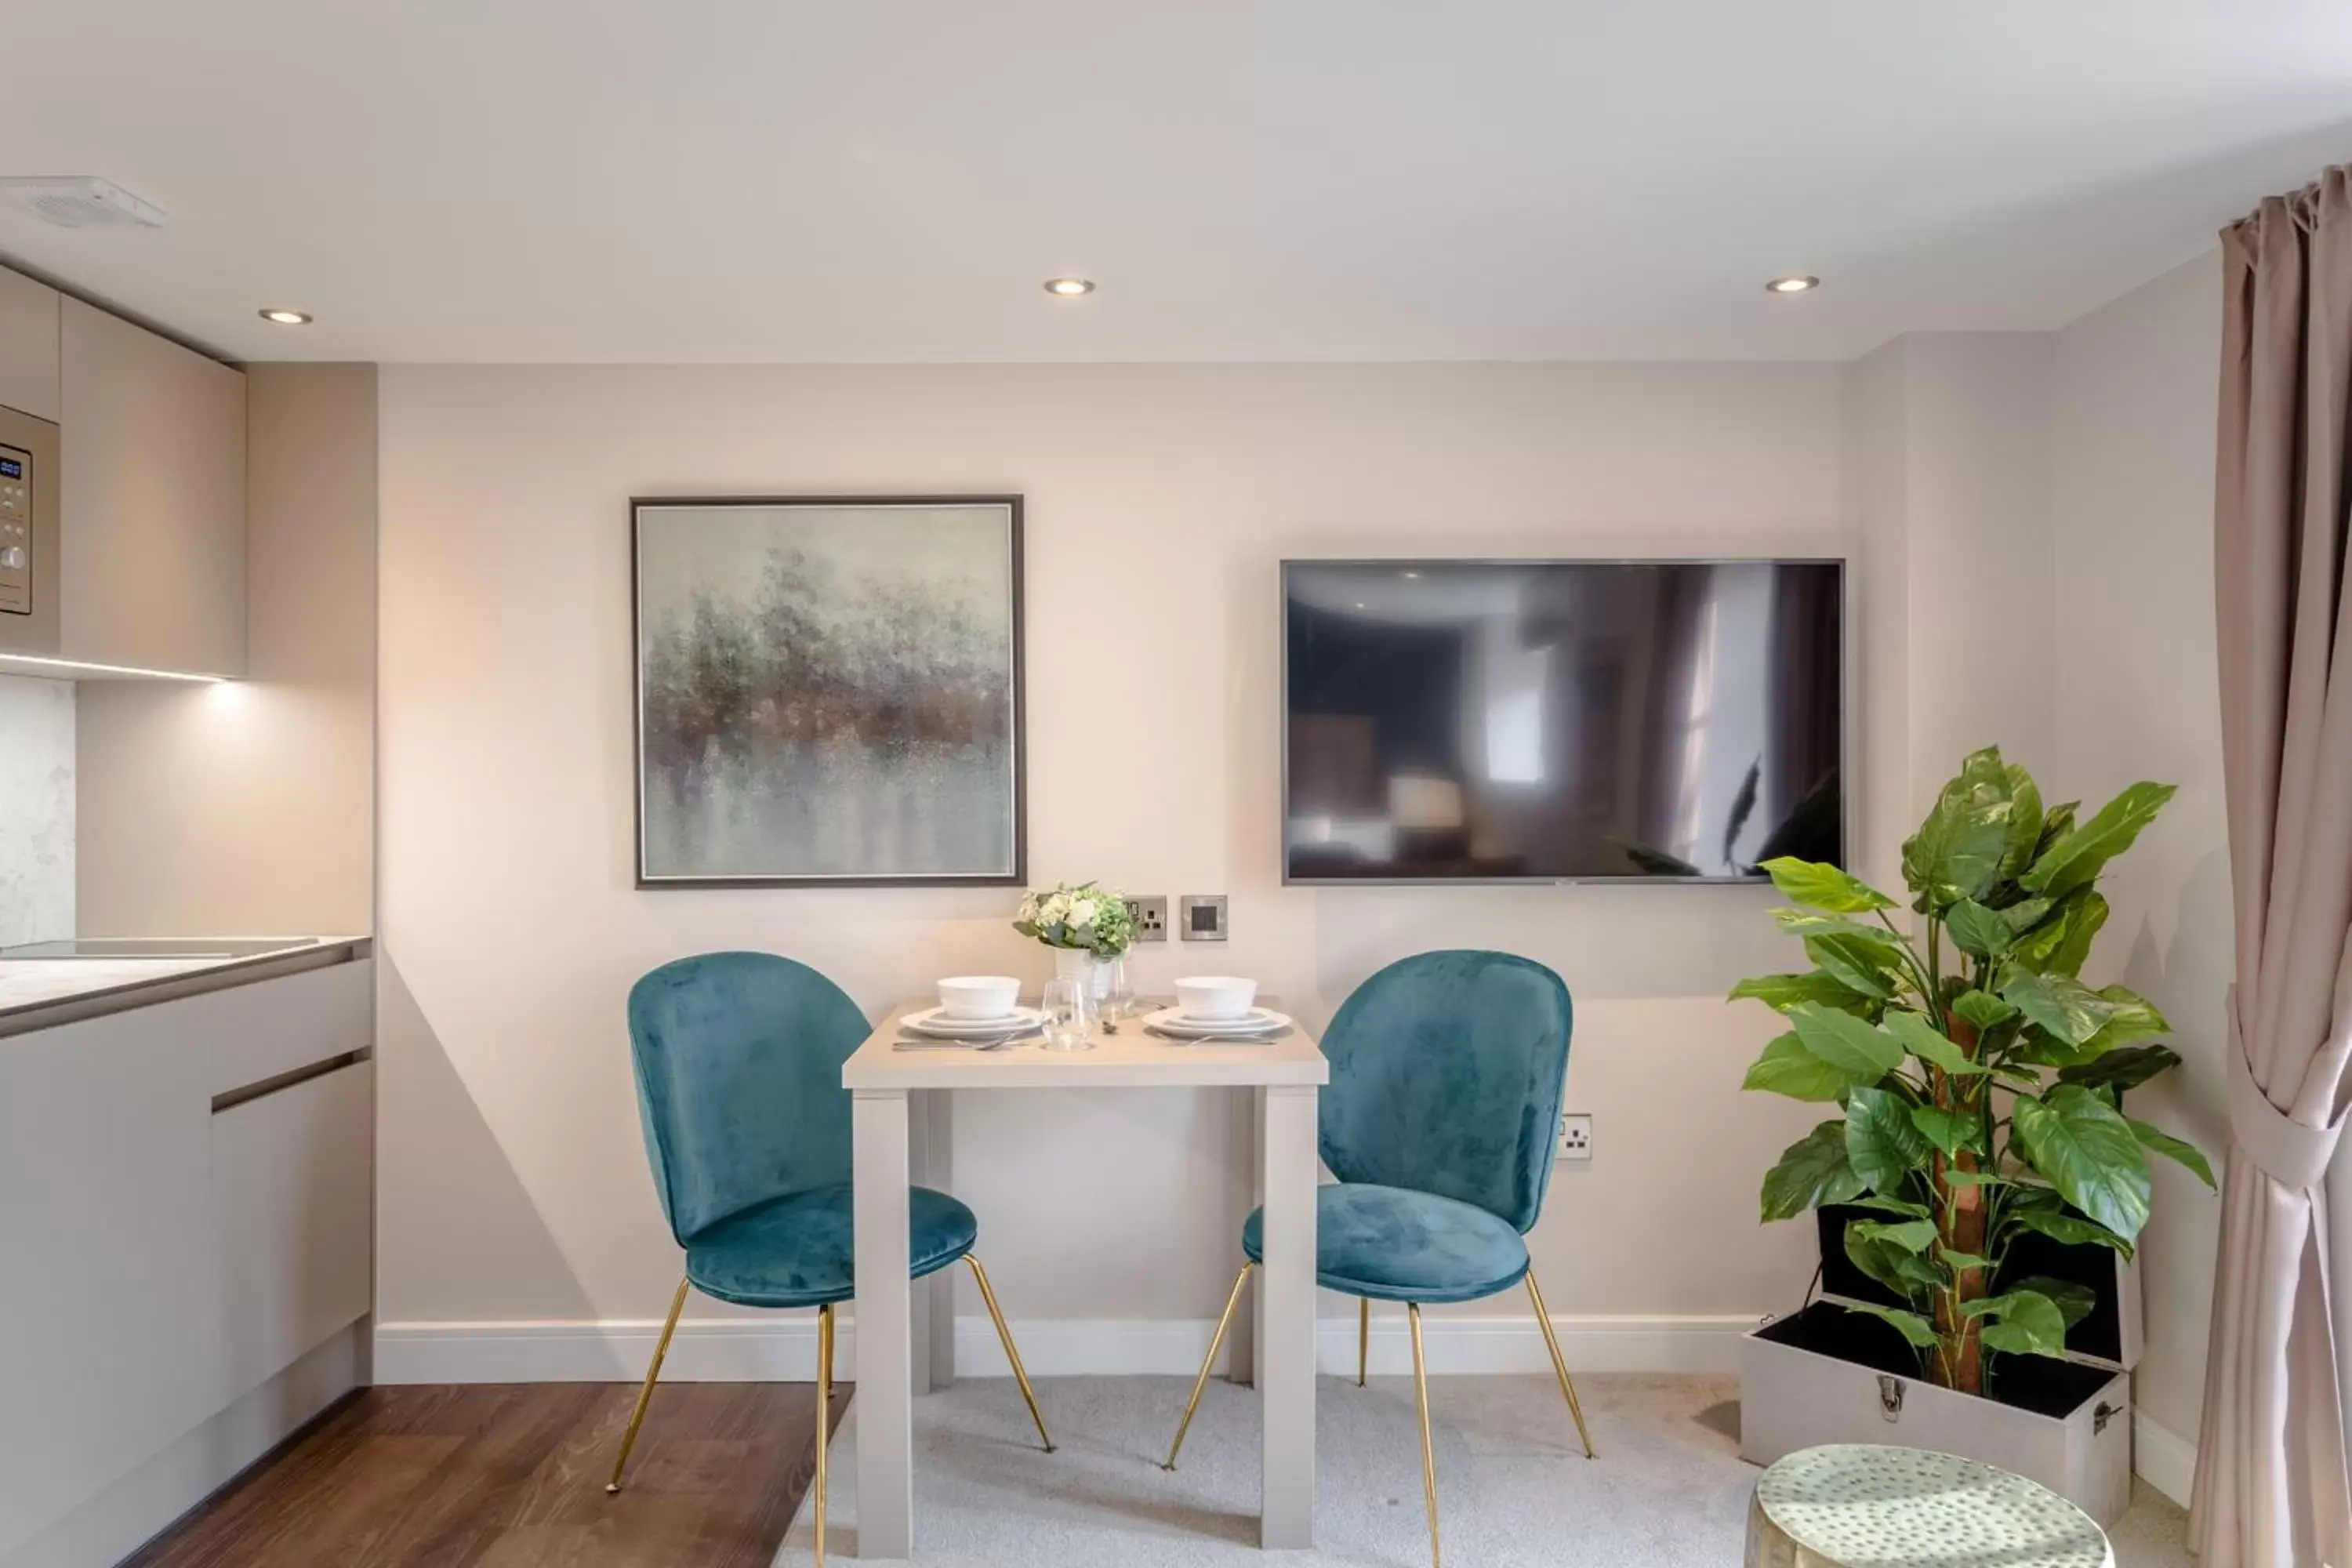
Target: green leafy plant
1077, 915
1980, 1081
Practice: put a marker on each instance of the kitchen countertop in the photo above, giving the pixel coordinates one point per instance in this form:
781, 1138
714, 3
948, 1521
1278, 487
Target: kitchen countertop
35, 992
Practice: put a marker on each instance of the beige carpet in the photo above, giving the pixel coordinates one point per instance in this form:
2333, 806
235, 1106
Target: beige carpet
1668, 1490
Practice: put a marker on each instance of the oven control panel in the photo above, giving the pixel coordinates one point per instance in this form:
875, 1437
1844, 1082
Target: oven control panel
15, 532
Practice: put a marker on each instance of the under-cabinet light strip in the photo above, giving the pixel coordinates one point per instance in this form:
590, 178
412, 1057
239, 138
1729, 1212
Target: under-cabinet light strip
87, 666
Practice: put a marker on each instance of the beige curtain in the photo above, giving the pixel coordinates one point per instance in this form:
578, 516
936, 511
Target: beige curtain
2271, 1480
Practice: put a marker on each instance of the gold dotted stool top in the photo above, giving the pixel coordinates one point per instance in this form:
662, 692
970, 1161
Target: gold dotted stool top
1858, 1505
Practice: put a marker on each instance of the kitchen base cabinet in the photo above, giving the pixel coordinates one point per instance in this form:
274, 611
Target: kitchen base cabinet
116, 1523
292, 1170
186, 1211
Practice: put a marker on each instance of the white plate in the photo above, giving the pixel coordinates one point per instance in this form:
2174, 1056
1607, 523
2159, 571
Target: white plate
1248, 1019
936, 1023
1250, 1025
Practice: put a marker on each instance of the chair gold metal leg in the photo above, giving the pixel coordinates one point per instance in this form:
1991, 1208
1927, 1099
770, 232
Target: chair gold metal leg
1012, 1351
646, 1395
1428, 1450
1363, 1337
823, 1416
1216, 1340
1543, 1320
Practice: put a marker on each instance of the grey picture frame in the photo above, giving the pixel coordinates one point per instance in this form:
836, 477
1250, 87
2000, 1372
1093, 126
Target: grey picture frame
1011, 869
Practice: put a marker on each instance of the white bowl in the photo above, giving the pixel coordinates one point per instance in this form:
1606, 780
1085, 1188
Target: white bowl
1215, 995
979, 996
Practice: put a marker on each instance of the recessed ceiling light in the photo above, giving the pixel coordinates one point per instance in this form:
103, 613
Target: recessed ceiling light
1795, 283
285, 317
1070, 288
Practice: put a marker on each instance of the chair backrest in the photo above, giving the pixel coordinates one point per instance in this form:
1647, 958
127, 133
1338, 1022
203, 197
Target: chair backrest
738, 1081
1446, 1071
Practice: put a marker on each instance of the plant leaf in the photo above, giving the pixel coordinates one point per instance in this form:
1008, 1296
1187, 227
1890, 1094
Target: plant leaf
2024, 916
2165, 1143
1961, 1262
2126, 1068
1949, 1130
1911, 1234
2067, 927
2089, 915
1978, 929
1882, 1145
1924, 1040
2030, 1323
1910, 1325
1860, 1050
1822, 886
1983, 1009
1856, 964
2066, 1227
1957, 851
1903, 1207
2089, 1153
2074, 1302
2070, 1011
2024, 829
1787, 1068
1811, 1171
1783, 991
2131, 1018
1900, 1268
2075, 861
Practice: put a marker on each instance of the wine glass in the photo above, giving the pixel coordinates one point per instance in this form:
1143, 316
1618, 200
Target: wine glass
1118, 995
1067, 1018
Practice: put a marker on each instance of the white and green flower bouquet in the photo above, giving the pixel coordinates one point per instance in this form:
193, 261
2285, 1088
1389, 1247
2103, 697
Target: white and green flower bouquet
1079, 917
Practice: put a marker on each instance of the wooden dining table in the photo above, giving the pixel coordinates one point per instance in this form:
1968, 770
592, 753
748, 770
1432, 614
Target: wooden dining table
901, 1119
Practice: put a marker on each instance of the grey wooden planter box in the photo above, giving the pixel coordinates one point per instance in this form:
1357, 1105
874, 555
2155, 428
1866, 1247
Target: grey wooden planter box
1794, 1394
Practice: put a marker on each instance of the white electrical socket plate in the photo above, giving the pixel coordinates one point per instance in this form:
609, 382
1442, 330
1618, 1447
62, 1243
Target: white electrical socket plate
1575, 1136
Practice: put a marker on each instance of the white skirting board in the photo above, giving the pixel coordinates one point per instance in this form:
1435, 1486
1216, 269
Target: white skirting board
783, 1348
2163, 1459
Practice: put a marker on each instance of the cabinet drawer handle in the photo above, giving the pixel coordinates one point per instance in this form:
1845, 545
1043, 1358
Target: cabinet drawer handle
244, 1094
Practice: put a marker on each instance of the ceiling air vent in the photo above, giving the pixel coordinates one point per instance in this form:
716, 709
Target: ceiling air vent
81, 201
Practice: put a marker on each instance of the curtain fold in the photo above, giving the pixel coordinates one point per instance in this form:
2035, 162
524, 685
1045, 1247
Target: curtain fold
2271, 1488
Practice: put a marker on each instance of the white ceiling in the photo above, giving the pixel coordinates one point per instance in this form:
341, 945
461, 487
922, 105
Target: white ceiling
862, 180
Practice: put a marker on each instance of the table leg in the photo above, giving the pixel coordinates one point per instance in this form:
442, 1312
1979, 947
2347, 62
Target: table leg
886, 1443
930, 1165
1285, 1350
1241, 1340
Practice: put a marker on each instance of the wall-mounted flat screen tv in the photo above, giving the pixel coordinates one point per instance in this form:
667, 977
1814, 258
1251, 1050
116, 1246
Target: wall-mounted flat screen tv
1459, 720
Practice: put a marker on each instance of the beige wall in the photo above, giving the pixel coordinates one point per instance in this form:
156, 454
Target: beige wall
2134, 412
1948, 474
1160, 500
247, 808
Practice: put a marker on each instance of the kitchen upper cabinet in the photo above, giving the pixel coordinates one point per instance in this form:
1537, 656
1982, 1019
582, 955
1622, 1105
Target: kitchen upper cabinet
152, 514
28, 346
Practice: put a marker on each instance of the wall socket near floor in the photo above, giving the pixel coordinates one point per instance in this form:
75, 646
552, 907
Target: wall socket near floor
1150, 917
1575, 1136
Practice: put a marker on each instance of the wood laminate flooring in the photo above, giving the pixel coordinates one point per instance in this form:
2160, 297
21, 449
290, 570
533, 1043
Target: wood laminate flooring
512, 1476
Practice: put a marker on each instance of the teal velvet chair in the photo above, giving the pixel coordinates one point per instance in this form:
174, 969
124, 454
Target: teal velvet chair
1446, 1071
739, 1062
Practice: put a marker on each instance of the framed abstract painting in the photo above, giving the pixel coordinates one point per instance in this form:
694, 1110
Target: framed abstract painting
828, 691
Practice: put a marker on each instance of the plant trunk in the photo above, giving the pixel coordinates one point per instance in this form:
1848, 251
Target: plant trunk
1961, 1221
1959, 1365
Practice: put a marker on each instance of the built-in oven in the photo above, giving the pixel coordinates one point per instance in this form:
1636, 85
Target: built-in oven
28, 534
